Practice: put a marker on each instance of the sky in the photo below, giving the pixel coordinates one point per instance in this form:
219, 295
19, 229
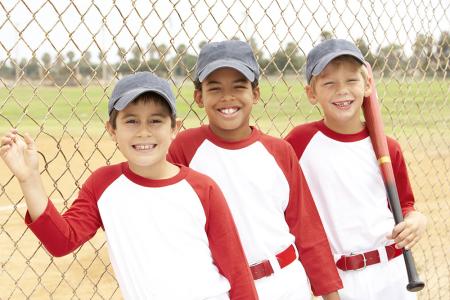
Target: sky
33, 27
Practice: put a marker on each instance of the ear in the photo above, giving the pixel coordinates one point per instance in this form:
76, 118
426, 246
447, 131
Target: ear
111, 130
198, 98
311, 94
177, 128
368, 86
256, 94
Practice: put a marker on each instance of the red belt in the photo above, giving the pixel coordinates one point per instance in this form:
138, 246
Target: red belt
361, 260
264, 268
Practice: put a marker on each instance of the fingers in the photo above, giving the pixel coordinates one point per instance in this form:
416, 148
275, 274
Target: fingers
29, 141
409, 242
405, 235
406, 239
5, 145
8, 139
397, 230
13, 138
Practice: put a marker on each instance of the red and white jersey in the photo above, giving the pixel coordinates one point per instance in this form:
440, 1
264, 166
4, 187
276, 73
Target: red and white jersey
167, 238
345, 180
267, 195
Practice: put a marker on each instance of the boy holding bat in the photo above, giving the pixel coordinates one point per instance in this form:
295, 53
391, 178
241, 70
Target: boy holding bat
340, 166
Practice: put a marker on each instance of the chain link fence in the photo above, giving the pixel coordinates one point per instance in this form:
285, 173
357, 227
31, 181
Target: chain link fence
60, 59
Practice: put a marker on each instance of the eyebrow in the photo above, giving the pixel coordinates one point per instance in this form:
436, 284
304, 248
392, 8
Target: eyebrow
135, 115
240, 80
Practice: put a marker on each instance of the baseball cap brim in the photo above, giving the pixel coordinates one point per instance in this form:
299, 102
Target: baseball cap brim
227, 63
325, 60
131, 95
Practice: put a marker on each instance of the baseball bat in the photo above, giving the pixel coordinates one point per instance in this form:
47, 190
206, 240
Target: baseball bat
374, 123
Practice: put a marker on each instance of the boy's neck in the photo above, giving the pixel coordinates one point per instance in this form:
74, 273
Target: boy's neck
164, 170
347, 128
232, 135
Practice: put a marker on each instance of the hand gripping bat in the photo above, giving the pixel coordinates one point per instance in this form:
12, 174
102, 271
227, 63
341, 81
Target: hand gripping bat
374, 123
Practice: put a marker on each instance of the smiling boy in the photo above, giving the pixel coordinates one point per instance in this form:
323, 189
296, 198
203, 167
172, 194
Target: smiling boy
259, 175
170, 233
338, 161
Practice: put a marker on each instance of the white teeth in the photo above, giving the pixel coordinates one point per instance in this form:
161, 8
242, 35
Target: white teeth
343, 103
228, 111
144, 147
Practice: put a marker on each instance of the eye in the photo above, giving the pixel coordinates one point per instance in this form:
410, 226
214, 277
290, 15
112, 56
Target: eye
155, 121
328, 83
130, 121
213, 89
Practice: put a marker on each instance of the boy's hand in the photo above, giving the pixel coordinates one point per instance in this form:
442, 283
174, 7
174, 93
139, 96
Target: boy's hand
407, 233
20, 154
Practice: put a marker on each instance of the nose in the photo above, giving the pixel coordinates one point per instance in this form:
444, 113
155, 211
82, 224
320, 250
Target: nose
228, 95
342, 89
144, 130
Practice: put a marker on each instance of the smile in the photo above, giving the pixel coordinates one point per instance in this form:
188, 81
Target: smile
144, 146
343, 104
228, 110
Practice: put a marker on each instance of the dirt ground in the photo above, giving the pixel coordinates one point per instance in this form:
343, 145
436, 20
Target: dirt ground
28, 272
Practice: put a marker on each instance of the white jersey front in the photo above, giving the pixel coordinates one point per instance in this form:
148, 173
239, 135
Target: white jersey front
167, 239
267, 195
345, 180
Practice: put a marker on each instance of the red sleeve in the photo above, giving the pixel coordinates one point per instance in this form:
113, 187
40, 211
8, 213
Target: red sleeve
226, 248
184, 146
300, 136
404, 189
304, 222
62, 234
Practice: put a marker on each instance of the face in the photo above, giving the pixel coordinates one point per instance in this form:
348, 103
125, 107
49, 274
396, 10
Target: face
143, 134
228, 97
340, 90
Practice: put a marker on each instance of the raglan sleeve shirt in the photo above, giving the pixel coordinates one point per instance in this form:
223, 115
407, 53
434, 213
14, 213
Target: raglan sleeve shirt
304, 222
226, 249
180, 153
62, 234
402, 182
301, 135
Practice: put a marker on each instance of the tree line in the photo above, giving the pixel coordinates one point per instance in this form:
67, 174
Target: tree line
429, 57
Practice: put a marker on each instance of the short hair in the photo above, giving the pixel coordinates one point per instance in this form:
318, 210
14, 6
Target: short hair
146, 98
198, 84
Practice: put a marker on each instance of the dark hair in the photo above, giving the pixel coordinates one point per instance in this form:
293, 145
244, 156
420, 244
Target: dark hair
198, 84
145, 98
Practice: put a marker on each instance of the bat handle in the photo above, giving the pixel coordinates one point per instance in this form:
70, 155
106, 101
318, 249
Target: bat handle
414, 282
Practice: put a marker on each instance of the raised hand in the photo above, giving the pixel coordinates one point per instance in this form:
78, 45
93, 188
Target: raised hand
19, 154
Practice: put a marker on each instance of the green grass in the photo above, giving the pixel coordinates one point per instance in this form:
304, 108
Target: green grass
407, 106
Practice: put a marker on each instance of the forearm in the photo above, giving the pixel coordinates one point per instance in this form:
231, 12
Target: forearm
34, 194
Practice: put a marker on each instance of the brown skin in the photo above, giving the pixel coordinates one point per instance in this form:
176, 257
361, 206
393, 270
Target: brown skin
228, 98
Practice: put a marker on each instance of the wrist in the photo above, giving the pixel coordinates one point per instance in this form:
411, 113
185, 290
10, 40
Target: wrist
32, 178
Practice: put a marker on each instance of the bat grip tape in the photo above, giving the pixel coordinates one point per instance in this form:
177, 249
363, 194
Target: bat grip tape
384, 159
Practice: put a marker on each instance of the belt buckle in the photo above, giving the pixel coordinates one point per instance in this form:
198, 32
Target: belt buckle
261, 269
364, 260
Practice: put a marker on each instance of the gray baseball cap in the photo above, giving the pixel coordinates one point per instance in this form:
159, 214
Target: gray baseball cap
321, 55
132, 86
232, 54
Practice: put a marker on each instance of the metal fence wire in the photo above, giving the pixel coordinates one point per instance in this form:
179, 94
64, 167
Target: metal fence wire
60, 59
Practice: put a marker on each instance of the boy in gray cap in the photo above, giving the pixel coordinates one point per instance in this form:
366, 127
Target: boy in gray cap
342, 172
277, 221
170, 233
